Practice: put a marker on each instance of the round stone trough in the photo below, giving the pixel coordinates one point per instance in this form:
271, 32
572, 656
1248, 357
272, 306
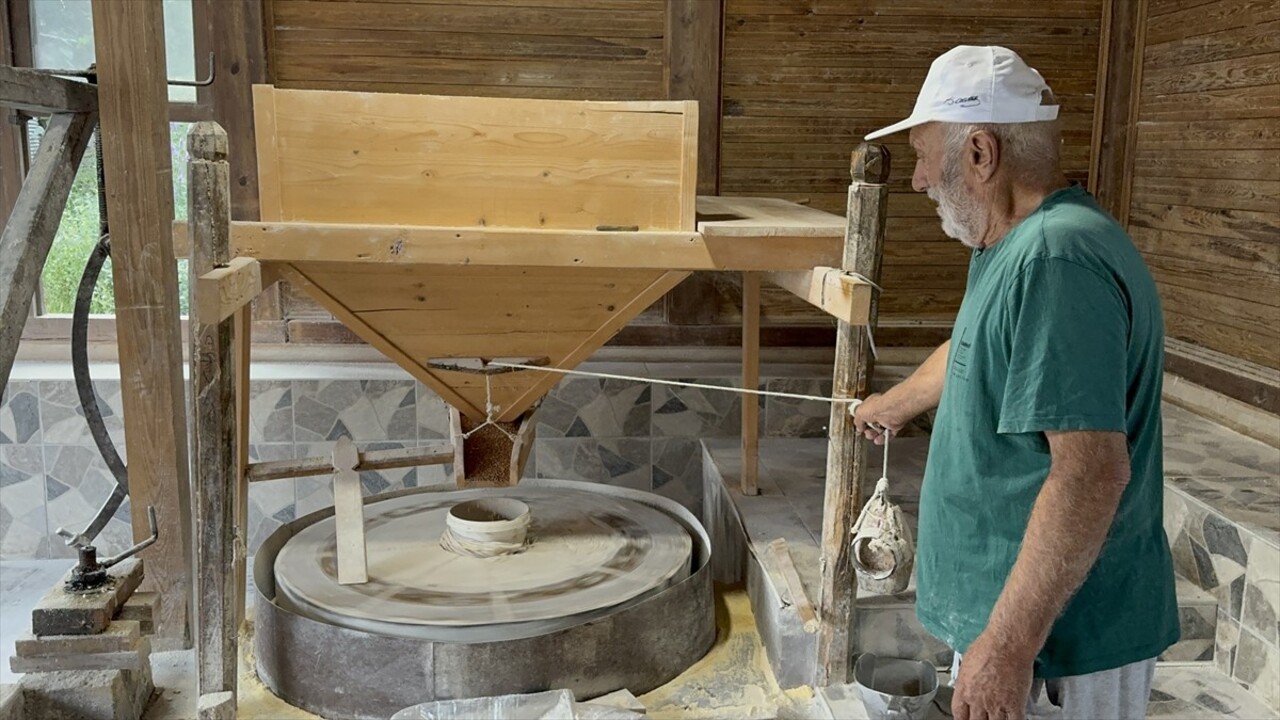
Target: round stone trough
548, 584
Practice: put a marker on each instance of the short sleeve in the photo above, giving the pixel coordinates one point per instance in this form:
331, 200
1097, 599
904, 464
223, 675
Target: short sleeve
1068, 366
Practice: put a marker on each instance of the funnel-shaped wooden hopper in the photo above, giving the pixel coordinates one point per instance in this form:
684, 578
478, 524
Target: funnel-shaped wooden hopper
477, 166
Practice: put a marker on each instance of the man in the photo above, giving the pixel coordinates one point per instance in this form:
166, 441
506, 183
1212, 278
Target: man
1042, 556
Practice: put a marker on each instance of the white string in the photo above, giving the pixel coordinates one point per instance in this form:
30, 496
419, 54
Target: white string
490, 412
701, 386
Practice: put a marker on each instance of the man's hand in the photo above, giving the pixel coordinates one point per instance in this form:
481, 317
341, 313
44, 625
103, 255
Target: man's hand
882, 412
994, 682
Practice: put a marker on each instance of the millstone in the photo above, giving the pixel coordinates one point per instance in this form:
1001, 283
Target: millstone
584, 551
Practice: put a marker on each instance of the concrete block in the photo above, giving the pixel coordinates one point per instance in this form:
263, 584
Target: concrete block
127, 660
142, 607
11, 703
88, 694
217, 706
120, 636
64, 613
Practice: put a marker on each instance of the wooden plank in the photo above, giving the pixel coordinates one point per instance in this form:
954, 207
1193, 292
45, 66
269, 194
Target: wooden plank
1249, 134
1210, 18
391, 43
1252, 286
656, 290
1229, 224
29, 231
833, 291
1119, 75
645, 19
846, 455
1223, 164
798, 598
348, 514
386, 346
38, 92
926, 8
242, 339
1238, 379
1237, 43
750, 381
224, 290
749, 217
385, 245
1217, 75
692, 59
1253, 195
644, 78
1260, 322
134, 126
1213, 252
235, 36
1209, 333
434, 454
213, 418
1244, 103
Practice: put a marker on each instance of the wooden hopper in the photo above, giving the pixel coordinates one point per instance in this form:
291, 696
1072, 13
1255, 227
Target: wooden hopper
476, 164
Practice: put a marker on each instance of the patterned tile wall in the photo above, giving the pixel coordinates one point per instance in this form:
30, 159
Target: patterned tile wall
631, 434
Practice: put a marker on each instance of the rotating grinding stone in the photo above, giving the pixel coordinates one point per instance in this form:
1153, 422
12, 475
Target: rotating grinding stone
584, 551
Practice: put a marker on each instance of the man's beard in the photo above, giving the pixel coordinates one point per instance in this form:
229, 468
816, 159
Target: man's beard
962, 216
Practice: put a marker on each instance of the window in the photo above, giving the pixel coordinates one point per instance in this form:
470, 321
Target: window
61, 37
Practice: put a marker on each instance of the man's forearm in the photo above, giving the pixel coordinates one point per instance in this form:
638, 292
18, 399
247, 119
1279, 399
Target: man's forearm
1068, 526
923, 389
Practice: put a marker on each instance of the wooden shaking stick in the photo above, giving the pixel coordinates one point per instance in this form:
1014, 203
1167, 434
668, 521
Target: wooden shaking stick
348, 514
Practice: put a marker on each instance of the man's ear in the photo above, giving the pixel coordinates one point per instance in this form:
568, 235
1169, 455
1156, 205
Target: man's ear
983, 152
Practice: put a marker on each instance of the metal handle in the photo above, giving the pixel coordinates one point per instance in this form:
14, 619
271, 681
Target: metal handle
155, 534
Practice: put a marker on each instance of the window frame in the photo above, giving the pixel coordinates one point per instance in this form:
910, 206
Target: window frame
17, 49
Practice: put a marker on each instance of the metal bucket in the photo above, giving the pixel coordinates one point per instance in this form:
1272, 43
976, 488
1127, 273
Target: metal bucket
895, 689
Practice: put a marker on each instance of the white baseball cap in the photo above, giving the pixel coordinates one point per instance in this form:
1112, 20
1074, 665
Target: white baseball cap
969, 84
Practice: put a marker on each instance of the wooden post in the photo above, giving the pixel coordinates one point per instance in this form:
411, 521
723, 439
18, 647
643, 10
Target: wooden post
214, 416
133, 106
750, 381
846, 456
243, 333
1115, 112
30, 229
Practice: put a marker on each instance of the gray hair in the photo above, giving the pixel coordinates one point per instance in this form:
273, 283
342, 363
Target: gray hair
1032, 150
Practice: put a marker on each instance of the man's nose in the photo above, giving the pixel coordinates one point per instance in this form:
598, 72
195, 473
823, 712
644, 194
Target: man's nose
919, 182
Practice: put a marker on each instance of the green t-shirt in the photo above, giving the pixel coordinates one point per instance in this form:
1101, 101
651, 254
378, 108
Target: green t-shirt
1060, 329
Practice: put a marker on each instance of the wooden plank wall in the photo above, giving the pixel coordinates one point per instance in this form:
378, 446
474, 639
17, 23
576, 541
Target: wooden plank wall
1205, 193
804, 80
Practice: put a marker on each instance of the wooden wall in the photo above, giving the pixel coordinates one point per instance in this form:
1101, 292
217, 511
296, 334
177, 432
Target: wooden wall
804, 80
1205, 191
793, 84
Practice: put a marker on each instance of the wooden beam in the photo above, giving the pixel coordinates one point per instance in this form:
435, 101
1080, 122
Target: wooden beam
846, 454
133, 105
214, 417
1115, 114
795, 587
236, 39
693, 40
31, 228
296, 242
434, 454
834, 291
42, 93
750, 381
224, 290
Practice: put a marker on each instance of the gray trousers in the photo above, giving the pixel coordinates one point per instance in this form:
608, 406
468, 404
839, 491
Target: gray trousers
1117, 694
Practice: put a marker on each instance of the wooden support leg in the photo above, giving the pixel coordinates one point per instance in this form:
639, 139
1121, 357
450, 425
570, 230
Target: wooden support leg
243, 338
214, 412
846, 456
750, 381
31, 227
133, 114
